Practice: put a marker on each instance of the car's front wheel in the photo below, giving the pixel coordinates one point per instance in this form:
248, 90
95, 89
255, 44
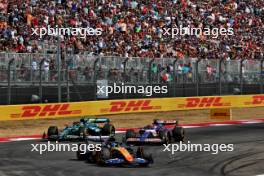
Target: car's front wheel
79, 154
102, 156
141, 153
52, 131
164, 137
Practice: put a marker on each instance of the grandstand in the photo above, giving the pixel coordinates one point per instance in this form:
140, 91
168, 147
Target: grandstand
132, 48
134, 28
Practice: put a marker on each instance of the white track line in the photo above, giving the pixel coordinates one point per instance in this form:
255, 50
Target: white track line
220, 125
252, 122
191, 126
23, 139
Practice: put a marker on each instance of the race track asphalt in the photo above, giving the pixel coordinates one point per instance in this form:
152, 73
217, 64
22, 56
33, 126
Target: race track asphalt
247, 159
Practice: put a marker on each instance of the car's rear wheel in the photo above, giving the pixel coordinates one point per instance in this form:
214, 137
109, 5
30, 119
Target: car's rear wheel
130, 134
108, 129
178, 134
155, 121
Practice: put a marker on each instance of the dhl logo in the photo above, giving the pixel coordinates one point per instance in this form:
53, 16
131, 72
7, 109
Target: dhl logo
204, 102
130, 106
220, 114
44, 111
256, 100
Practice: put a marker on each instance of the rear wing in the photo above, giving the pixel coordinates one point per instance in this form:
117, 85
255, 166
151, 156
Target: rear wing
165, 122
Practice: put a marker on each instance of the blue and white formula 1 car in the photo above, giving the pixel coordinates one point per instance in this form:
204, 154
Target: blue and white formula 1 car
157, 133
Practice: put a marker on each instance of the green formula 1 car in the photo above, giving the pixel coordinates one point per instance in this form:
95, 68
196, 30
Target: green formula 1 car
97, 129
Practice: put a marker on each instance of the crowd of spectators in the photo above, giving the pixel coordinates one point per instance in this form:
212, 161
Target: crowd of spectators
133, 28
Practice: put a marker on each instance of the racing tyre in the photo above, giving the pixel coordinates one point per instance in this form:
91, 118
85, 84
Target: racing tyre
130, 134
102, 156
164, 137
155, 121
141, 153
53, 131
178, 134
91, 156
82, 133
79, 154
108, 129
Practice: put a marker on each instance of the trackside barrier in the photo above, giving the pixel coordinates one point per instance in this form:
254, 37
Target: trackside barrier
59, 110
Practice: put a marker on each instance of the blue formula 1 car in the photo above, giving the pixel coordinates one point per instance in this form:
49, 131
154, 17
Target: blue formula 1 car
113, 153
86, 128
157, 133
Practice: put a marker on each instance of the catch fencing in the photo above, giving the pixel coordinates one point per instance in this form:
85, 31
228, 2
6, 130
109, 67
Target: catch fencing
66, 72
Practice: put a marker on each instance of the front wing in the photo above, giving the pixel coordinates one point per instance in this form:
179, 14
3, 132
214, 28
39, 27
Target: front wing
77, 138
118, 161
145, 140
64, 138
97, 138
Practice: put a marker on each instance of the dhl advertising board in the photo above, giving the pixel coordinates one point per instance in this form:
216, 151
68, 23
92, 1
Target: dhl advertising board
58, 110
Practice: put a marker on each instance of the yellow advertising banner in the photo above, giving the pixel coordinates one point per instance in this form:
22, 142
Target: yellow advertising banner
221, 114
58, 110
